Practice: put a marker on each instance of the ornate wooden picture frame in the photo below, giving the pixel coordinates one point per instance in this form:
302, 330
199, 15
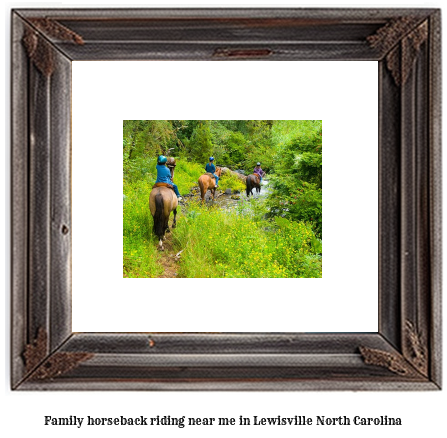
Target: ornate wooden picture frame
405, 353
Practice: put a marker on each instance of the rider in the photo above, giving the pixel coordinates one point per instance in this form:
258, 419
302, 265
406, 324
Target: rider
211, 168
164, 174
259, 171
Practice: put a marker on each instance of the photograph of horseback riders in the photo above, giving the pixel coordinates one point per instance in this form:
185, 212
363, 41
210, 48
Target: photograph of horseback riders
222, 199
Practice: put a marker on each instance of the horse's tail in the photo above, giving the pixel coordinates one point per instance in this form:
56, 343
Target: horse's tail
202, 189
248, 186
159, 226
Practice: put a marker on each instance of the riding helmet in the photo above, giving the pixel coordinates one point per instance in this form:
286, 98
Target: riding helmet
211, 158
258, 164
162, 159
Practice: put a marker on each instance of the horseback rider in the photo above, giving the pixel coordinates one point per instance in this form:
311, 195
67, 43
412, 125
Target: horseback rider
211, 168
164, 175
258, 171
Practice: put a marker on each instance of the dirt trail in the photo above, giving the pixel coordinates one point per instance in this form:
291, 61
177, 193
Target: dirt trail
168, 261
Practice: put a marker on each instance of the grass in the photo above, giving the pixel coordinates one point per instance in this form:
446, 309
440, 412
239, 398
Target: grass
140, 256
186, 175
216, 243
228, 244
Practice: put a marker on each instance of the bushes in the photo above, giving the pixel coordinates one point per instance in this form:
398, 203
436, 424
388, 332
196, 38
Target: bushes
186, 175
230, 181
300, 201
297, 175
200, 145
220, 243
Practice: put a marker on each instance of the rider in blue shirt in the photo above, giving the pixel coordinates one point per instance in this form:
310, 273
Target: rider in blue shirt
211, 168
164, 174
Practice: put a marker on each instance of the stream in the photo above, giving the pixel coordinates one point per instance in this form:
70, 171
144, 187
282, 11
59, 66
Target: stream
232, 201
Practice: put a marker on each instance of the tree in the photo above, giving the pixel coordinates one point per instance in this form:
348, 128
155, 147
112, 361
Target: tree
201, 145
297, 179
147, 138
236, 149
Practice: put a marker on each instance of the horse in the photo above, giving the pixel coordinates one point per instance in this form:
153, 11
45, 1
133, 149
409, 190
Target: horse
162, 201
171, 163
207, 181
252, 181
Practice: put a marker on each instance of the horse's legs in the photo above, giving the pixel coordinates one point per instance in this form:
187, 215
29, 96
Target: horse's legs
174, 224
160, 245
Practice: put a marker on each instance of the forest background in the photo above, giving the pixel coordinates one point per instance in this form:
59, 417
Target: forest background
276, 236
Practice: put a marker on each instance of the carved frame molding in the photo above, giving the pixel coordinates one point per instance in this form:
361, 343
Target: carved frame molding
406, 352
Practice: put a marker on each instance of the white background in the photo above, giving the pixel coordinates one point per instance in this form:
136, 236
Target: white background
347, 103
22, 413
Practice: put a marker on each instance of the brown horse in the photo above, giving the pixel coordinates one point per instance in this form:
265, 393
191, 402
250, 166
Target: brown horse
252, 181
171, 163
208, 182
162, 201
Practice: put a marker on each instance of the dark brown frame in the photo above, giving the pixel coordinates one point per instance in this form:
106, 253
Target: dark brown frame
405, 354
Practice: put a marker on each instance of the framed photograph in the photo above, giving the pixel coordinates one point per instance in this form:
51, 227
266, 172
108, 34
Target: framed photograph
50, 352
212, 181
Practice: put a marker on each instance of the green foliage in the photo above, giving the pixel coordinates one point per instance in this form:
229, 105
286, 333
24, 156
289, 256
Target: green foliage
297, 174
147, 138
299, 202
200, 146
242, 143
219, 243
234, 143
140, 257
185, 128
309, 167
289, 150
260, 148
186, 175
286, 131
236, 148
139, 169
230, 181
221, 135
265, 154
302, 155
